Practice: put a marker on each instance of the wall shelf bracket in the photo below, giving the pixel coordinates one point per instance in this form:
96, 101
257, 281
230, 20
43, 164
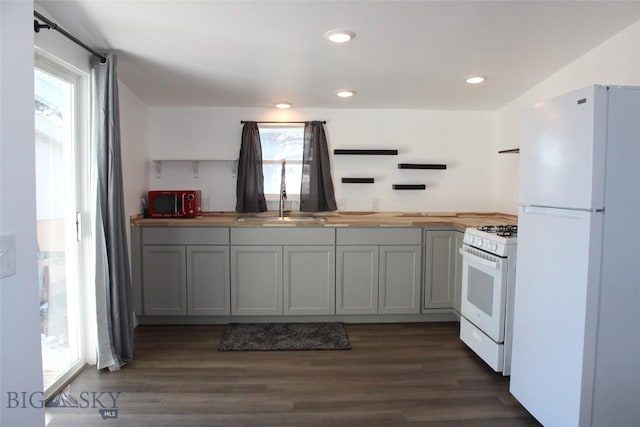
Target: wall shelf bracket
157, 164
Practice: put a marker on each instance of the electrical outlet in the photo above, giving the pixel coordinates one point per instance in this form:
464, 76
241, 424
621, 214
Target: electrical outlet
7, 255
375, 205
342, 204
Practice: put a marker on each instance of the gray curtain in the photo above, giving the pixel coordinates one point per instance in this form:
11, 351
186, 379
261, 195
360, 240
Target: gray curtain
250, 183
113, 277
316, 190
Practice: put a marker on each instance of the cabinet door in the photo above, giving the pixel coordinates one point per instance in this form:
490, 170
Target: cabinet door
400, 268
256, 280
164, 280
457, 270
309, 280
208, 280
357, 280
136, 270
439, 269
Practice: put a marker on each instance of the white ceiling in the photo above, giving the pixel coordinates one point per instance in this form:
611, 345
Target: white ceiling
406, 54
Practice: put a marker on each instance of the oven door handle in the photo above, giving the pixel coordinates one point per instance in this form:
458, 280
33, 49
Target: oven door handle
478, 260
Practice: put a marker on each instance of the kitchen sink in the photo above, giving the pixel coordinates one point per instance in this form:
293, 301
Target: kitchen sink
282, 220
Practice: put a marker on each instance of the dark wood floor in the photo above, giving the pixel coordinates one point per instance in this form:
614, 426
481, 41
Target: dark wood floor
395, 375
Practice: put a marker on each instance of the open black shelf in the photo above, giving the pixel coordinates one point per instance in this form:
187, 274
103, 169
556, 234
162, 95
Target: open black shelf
365, 152
358, 180
409, 186
509, 151
421, 166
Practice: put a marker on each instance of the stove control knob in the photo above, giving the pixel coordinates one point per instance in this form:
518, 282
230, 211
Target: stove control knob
492, 246
478, 241
468, 239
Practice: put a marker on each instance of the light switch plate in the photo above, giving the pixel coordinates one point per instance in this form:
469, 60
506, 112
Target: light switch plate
7, 255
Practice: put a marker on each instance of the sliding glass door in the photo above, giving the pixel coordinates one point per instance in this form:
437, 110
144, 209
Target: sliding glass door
58, 167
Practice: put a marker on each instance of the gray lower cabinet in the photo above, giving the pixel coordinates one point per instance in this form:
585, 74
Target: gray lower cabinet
443, 278
309, 280
378, 271
185, 271
164, 280
282, 271
254, 271
256, 280
399, 279
457, 272
208, 280
357, 279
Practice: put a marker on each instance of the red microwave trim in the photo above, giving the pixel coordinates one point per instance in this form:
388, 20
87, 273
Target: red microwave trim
186, 204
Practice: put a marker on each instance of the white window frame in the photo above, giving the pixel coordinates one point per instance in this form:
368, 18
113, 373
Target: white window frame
85, 248
293, 194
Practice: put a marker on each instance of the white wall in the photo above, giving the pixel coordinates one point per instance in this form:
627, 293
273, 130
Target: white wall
614, 62
134, 125
20, 357
465, 141
478, 178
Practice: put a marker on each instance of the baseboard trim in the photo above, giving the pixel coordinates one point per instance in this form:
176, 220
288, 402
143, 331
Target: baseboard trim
433, 315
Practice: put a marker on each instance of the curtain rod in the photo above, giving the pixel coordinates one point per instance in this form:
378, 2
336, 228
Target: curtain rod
50, 25
324, 122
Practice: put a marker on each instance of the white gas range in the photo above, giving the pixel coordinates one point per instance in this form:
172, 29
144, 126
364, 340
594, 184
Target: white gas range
488, 287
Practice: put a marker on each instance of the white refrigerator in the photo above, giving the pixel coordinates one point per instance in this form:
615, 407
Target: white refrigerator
576, 332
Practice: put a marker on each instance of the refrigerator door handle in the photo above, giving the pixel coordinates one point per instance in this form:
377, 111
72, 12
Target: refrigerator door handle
537, 208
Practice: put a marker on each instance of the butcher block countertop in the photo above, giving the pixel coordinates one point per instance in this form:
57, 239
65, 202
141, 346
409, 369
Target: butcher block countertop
334, 219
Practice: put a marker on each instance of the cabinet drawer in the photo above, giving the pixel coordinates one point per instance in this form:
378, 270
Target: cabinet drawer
283, 236
491, 352
185, 236
379, 236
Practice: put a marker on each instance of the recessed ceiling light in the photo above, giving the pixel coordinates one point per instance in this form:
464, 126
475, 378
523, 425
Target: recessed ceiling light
474, 80
282, 105
339, 36
345, 93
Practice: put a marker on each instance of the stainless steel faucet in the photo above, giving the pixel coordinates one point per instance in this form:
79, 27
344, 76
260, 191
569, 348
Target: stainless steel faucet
283, 190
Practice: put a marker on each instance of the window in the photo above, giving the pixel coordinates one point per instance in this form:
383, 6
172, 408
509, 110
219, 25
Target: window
58, 129
282, 142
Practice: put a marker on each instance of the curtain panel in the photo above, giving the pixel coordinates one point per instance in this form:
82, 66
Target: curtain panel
316, 189
250, 181
113, 277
